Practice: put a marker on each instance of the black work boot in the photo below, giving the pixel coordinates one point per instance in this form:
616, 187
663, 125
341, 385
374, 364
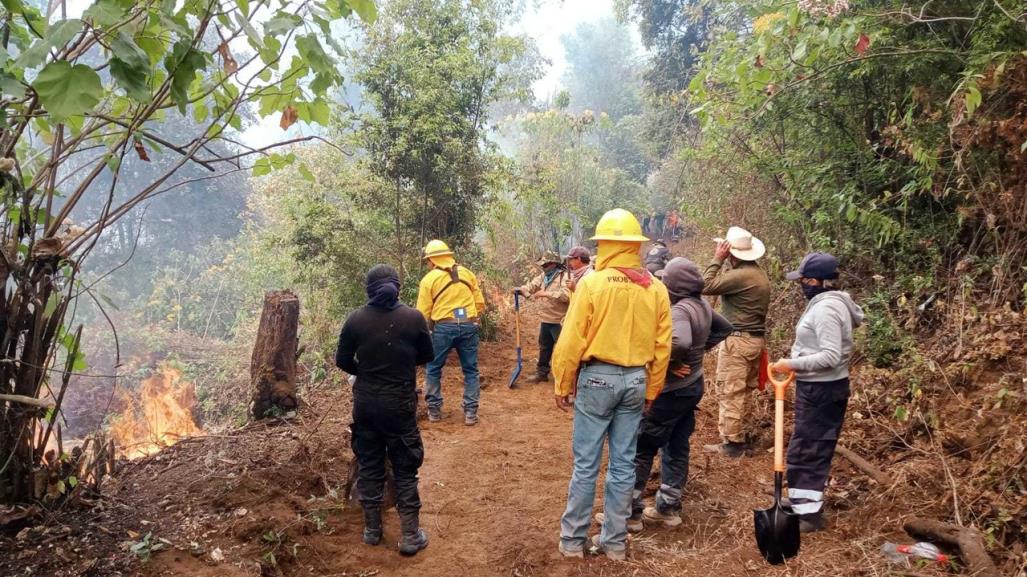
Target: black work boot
729, 449
540, 377
372, 525
811, 522
414, 538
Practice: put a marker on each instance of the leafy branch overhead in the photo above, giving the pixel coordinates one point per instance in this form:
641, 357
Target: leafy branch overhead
82, 85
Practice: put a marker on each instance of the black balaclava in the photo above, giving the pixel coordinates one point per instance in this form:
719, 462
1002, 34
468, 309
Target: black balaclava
382, 287
826, 285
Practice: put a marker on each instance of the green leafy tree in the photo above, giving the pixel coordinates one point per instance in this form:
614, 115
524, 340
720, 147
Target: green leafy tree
883, 129
559, 185
675, 33
430, 71
602, 77
79, 95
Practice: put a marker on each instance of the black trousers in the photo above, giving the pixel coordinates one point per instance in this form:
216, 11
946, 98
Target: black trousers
548, 334
819, 413
667, 427
386, 427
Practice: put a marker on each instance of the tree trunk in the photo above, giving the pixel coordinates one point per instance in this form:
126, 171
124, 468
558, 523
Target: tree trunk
273, 364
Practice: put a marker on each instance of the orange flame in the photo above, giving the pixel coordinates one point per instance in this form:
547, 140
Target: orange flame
160, 416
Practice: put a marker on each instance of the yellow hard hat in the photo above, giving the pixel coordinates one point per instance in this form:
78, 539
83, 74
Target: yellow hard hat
619, 224
436, 248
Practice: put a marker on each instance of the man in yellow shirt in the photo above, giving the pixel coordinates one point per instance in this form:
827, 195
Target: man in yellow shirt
615, 345
450, 298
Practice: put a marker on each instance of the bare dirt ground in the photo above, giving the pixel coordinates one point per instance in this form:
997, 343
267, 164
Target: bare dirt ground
268, 500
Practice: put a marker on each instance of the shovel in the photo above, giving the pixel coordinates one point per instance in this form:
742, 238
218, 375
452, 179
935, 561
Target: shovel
517, 324
777, 528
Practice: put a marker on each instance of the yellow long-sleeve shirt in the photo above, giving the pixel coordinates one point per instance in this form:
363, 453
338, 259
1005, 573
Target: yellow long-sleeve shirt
614, 320
437, 305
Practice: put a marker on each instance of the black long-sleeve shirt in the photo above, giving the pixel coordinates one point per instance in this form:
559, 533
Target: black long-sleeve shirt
383, 349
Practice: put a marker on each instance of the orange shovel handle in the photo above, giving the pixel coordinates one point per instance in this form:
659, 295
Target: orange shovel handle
780, 385
779, 417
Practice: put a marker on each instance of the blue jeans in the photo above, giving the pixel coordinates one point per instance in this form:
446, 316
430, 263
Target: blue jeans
464, 338
608, 405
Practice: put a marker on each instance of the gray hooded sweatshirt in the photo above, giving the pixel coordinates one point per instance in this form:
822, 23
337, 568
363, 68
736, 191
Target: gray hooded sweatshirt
697, 328
823, 337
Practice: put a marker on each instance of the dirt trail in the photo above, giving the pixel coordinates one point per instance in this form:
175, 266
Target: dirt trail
265, 501
493, 495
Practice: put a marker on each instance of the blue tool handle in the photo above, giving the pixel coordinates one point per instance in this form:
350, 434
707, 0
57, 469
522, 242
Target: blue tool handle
517, 301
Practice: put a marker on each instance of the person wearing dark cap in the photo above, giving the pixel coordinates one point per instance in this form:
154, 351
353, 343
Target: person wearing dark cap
382, 343
551, 289
820, 360
657, 257
579, 264
668, 425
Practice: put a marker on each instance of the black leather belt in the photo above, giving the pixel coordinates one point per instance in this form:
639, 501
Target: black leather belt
757, 334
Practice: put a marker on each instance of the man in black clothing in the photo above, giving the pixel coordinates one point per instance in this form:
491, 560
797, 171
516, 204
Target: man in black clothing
381, 344
670, 421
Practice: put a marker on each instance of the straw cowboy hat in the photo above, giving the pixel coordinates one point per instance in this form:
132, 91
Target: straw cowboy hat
744, 246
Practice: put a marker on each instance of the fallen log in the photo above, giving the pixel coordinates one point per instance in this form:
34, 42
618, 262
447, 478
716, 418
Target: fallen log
969, 541
882, 478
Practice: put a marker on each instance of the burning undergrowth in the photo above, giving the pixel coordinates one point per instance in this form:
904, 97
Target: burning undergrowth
157, 414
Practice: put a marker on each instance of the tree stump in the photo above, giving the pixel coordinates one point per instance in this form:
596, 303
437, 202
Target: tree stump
273, 364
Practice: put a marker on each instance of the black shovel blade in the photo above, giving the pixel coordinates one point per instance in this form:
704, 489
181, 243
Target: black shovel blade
777, 533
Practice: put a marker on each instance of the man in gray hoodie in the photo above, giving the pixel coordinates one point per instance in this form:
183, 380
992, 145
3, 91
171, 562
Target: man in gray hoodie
670, 421
820, 359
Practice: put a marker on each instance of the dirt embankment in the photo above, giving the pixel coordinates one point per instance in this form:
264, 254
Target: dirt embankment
268, 499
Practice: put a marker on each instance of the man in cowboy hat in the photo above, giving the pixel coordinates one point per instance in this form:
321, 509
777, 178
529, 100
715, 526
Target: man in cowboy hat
450, 298
744, 290
552, 288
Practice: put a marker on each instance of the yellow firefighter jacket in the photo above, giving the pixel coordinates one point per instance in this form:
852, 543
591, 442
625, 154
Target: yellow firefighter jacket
614, 320
438, 303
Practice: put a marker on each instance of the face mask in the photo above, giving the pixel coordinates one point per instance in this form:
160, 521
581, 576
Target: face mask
810, 291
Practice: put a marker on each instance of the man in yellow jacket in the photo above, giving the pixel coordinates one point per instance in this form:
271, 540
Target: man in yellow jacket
450, 298
615, 345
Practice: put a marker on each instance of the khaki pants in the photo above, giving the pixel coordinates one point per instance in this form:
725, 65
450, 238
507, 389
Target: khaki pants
738, 369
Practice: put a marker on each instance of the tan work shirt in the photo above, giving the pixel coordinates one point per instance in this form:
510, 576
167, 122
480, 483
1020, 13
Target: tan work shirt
553, 306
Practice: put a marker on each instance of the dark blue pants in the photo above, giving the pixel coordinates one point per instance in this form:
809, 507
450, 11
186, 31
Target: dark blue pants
819, 413
667, 428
